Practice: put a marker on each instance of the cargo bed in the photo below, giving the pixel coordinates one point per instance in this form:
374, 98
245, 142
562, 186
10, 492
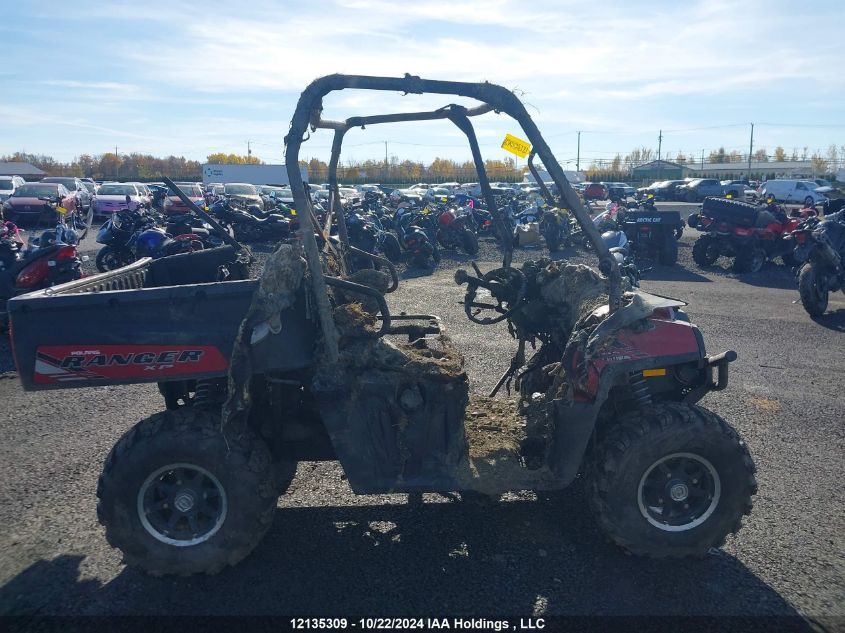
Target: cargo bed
151, 321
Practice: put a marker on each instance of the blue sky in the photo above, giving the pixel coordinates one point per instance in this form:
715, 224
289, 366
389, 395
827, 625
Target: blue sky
191, 78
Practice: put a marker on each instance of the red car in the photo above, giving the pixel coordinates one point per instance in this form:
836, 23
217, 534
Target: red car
173, 204
595, 191
27, 202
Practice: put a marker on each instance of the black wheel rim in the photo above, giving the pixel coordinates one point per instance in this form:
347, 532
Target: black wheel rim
679, 492
182, 505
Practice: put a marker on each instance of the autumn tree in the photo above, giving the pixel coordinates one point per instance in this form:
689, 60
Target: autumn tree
819, 164
221, 158
718, 156
761, 156
780, 154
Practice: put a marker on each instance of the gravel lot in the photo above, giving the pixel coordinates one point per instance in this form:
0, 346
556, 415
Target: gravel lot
332, 553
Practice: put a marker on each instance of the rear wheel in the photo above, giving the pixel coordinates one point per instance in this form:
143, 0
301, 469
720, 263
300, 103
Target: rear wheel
469, 242
178, 495
668, 255
691, 197
390, 247
670, 481
749, 260
552, 237
808, 201
705, 251
813, 290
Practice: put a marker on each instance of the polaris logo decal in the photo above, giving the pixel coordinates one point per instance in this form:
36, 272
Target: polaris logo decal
125, 362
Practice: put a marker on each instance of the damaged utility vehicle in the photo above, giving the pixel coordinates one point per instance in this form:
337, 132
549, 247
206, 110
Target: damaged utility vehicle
308, 363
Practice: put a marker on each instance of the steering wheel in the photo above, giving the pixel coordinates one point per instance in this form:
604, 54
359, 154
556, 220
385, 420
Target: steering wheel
506, 286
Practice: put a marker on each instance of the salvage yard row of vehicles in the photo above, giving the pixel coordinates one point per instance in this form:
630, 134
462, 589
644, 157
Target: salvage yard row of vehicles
807, 192
309, 363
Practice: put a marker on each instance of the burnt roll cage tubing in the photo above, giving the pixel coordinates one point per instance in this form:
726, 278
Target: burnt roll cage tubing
495, 98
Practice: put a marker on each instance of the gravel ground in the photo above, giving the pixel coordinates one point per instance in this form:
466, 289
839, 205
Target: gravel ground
332, 553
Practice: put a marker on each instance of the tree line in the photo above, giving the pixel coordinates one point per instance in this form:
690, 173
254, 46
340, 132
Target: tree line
145, 167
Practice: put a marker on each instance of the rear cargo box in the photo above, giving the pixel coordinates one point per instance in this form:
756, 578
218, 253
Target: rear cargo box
114, 329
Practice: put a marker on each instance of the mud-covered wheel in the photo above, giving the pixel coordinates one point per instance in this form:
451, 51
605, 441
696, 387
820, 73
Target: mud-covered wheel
179, 496
705, 251
670, 481
749, 260
813, 290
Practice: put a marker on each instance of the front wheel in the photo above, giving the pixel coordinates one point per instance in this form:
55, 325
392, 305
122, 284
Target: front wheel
706, 251
110, 259
178, 495
670, 481
749, 260
813, 290
808, 202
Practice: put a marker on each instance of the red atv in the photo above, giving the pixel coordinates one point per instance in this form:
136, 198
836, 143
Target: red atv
308, 363
750, 233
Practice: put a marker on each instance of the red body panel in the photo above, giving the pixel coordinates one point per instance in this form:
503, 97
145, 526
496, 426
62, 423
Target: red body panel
665, 338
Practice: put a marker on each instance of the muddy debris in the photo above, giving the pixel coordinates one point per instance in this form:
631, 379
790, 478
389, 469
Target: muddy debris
374, 279
277, 287
505, 453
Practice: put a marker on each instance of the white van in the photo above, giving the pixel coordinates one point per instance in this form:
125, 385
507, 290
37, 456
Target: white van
794, 191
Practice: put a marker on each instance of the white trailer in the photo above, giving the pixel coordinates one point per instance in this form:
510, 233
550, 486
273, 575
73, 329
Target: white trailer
253, 174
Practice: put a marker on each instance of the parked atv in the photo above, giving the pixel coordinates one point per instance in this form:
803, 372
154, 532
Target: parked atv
295, 366
750, 234
652, 234
821, 248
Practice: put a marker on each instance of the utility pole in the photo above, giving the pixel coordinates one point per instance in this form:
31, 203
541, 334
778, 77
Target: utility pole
702, 159
386, 163
578, 159
659, 148
750, 151
248, 150
116, 163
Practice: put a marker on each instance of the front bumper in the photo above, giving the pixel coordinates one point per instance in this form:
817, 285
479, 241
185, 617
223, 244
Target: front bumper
720, 363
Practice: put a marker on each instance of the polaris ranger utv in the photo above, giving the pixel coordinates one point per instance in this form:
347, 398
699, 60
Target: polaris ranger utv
308, 363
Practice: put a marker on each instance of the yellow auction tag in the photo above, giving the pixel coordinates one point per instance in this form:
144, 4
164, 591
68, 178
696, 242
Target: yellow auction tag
61, 210
516, 146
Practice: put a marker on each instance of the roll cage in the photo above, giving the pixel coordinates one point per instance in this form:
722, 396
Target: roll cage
493, 98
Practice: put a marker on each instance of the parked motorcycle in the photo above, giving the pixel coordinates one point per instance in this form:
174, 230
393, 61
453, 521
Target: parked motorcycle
555, 228
250, 224
47, 260
117, 235
453, 231
821, 246
130, 234
413, 238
